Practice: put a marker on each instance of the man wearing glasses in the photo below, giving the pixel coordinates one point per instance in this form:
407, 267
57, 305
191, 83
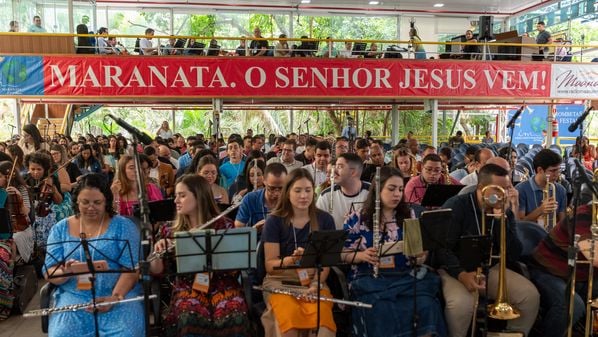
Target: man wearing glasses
431, 174
257, 204
532, 205
287, 157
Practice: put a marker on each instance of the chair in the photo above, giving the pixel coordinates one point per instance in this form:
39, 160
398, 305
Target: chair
45, 298
530, 234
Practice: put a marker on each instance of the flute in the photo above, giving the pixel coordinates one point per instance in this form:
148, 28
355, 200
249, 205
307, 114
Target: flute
376, 220
75, 307
311, 297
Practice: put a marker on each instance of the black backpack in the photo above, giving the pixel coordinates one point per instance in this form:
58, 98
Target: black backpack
137, 50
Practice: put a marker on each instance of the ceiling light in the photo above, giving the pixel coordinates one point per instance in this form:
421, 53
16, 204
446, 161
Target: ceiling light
438, 5
374, 2
305, 1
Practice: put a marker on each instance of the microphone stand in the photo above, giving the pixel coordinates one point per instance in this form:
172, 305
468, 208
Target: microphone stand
511, 127
146, 234
92, 280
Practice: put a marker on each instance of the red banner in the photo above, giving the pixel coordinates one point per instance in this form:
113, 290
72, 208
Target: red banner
295, 77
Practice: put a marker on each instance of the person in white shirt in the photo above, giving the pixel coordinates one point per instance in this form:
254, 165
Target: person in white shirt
318, 168
164, 131
349, 192
103, 46
287, 157
480, 159
145, 44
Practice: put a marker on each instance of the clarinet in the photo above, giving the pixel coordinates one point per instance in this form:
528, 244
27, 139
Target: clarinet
376, 220
330, 206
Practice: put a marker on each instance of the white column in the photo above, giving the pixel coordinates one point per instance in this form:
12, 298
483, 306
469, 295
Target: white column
394, 130
291, 120
216, 110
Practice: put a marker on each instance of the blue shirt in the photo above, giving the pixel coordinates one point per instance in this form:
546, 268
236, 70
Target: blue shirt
229, 173
349, 132
531, 196
184, 162
253, 208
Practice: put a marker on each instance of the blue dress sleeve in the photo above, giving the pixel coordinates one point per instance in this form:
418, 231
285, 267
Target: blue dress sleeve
55, 246
130, 246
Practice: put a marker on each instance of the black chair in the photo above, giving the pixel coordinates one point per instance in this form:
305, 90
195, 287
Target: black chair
530, 234
45, 299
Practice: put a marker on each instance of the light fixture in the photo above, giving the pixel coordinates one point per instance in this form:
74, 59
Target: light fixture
374, 2
305, 1
438, 5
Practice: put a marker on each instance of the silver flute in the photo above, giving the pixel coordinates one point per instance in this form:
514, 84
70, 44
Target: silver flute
300, 295
331, 206
376, 219
76, 307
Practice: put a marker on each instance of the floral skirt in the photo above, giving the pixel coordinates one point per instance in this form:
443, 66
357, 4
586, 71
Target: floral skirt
6, 279
220, 312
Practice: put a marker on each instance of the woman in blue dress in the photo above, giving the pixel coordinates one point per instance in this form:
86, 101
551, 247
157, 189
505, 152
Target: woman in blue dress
391, 293
111, 238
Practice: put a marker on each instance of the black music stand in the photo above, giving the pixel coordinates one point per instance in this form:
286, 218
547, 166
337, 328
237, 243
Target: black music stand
437, 194
220, 250
323, 250
86, 244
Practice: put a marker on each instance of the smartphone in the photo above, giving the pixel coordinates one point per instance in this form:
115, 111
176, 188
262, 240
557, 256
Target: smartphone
81, 267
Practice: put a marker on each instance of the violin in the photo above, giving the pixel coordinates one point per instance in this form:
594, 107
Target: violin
44, 200
14, 205
46, 194
124, 51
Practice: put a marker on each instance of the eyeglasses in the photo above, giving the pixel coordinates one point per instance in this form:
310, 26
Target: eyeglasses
94, 203
435, 170
273, 188
287, 150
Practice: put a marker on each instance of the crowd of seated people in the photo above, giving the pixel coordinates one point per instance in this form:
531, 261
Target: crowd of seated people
287, 187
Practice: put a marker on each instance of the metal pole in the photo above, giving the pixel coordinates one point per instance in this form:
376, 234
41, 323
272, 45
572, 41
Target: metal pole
70, 15
434, 107
173, 119
291, 120
394, 130
216, 109
18, 115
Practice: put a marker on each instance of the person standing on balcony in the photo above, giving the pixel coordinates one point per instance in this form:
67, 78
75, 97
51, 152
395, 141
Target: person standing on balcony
14, 27
418, 48
258, 47
37, 25
543, 37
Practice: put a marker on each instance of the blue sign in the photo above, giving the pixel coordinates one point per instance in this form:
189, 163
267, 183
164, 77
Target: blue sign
528, 129
21, 75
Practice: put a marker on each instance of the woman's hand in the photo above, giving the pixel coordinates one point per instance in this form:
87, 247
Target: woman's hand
104, 308
162, 245
297, 254
369, 255
12, 189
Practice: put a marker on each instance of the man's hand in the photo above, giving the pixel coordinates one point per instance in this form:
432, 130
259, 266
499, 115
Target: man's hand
471, 282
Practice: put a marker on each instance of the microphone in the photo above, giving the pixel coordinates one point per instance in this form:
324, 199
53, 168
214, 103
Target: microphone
580, 120
141, 136
12, 126
511, 123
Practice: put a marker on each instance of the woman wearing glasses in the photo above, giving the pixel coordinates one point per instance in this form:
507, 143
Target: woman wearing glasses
207, 167
114, 242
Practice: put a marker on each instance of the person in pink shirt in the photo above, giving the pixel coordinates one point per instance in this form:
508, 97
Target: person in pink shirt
124, 187
431, 173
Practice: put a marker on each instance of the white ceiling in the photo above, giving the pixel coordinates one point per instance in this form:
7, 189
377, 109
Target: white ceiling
387, 7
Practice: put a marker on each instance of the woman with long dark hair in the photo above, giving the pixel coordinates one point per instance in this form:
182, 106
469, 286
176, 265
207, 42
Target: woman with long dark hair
32, 140
391, 293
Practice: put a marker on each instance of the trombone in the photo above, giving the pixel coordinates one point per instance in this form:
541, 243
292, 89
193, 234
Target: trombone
494, 196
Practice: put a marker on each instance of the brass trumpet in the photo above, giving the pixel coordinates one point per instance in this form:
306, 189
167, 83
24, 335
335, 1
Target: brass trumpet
445, 172
501, 309
413, 168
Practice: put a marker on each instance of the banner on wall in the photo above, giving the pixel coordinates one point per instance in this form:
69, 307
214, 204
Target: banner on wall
21, 75
94, 76
529, 127
574, 80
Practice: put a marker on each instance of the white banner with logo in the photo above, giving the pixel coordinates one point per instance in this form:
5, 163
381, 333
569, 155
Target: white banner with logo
574, 81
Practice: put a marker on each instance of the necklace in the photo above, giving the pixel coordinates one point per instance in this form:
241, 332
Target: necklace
88, 235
